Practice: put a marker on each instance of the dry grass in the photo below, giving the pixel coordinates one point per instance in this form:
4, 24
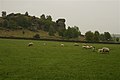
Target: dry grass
19, 33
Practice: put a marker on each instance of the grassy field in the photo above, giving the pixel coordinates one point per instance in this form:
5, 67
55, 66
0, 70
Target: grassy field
53, 62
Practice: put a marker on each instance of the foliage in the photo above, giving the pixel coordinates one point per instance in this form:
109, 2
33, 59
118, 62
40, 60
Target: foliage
102, 37
24, 21
36, 36
71, 32
26, 14
51, 31
12, 24
96, 36
49, 18
3, 14
89, 36
107, 36
5, 24
31, 22
117, 39
23, 32
42, 17
61, 33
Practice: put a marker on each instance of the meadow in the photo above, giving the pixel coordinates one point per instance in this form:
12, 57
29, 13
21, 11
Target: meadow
53, 62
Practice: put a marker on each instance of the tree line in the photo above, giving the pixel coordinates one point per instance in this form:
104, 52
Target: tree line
97, 37
45, 23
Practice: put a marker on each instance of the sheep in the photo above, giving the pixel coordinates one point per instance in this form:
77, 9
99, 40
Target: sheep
100, 50
90, 47
104, 50
76, 44
62, 45
83, 46
87, 47
30, 44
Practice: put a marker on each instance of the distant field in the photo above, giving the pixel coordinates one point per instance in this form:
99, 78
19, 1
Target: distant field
53, 62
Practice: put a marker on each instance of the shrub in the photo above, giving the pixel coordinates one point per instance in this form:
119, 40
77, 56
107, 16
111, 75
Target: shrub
36, 36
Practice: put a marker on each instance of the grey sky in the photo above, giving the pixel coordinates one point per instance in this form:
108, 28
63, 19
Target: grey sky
101, 15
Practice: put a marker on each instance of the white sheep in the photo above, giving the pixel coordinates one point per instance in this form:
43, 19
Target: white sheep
104, 50
62, 45
30, 44
100, 50
83, 46
87, 47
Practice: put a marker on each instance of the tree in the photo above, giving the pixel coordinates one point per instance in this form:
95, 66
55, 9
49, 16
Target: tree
61, 33
67, 33
71, 32
51, 31
42, 17
102, 37
36, 36
3, 14
12, 24
78, 33
26, 14
49, 18
96, 36
6, 23
89, 36
117, 39
24, 21
23, 32
107, 36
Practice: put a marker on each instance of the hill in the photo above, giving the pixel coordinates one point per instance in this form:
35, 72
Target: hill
25, 21
45, 24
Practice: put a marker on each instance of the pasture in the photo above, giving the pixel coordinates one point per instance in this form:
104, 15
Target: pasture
53, 62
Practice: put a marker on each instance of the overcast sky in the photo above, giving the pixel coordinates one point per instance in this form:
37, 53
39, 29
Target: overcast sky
101, 15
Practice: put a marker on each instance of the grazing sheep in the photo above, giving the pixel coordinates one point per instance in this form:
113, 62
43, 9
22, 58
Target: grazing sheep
100, 50
30, 44
76, 44
84, 47
87, 47
104, 50
62, 45
90, 47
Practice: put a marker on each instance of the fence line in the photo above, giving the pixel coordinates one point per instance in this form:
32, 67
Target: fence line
60, 40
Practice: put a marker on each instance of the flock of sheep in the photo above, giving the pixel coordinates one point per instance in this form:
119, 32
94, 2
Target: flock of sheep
102, 50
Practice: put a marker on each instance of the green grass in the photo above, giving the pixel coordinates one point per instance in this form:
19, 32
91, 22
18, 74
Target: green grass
53, 62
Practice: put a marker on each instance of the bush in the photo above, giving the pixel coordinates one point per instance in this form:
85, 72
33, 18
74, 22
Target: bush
36, 36
117, 39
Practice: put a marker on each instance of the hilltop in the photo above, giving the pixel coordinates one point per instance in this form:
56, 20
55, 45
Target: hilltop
43, 24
